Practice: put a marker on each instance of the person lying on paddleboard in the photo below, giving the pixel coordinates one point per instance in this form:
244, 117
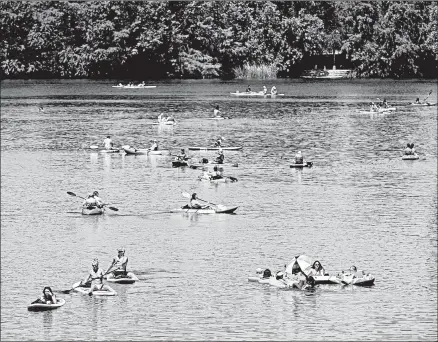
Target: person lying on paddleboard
217, 112
108, 143
220, 157
94, 279
119, 264
194, 203
299, 159
48, 297
273, 90
93, 201
154, 146
181, 156
317, 269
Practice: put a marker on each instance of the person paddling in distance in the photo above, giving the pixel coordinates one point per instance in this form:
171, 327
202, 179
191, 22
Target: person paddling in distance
220, 156
217, 112
384, 104
265, 90
417, 101
119, 264
194, 203
181, 156
273, 90
248, 90
108, 143
93, 201
374, 107
154, 146
216, 174
218, 142
94, 279
48, 297
299, 159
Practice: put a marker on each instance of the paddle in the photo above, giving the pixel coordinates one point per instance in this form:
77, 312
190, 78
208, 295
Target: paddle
187, 195
73, 194
80, 283
430, 92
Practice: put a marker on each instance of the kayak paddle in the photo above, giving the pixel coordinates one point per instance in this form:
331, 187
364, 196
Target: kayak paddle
73, 194
430, 92
187, 195
80, 283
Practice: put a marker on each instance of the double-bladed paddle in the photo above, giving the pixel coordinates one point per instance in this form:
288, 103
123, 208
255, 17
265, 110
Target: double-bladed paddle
73, 194
430, 92
80, 283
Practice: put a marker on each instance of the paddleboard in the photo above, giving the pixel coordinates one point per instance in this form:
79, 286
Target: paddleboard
411, 157
130, 278
45, 307
219, 118
195, 148
85, 290
255, 94
423, 104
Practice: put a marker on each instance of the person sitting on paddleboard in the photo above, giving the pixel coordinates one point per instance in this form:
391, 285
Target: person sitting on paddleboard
108, 143
181, 156
408, 150
194, 203
273, 90
216, 111
154, 146
412, 148
94, 279
48, 297
299, 158
317, 269
216, 174
248, 90
265, 90
218, 142
220, 158
119, 264
417, 101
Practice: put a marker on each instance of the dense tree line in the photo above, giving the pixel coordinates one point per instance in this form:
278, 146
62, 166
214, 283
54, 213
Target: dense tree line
124, 39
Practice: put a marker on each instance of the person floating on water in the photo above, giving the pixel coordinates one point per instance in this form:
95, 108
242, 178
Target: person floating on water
299, 158
40, 109
216, 112
273, 90
248, 90
119, 264
154, 146
108, 143
48, 297
317, 269
265, 90
92, 201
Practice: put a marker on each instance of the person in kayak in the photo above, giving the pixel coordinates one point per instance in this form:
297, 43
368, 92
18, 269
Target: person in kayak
417, 101
119, 264
93, 201
182, 156
94, 279
217, 112
48, 297
248, 90
194, 203
220, 157
265, 90
317, 269
154, 146
108, 143
299, 159
274, 90
218, 142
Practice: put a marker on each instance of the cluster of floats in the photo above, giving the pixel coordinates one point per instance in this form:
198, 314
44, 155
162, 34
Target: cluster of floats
304, 273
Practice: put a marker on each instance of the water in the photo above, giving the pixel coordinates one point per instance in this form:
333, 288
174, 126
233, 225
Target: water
360, 204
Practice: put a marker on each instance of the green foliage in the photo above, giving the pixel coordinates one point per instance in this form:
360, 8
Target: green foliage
203, 39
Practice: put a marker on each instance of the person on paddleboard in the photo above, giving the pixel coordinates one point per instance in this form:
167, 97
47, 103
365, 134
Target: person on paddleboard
220, 157
373, 107
48, 297
409, 149
216, 174
299, 159
248, 90
154, 146
182, 156
217, 112
119, 264
108, 143
265, 90
194, 203
417, 101
94, 279
274, 90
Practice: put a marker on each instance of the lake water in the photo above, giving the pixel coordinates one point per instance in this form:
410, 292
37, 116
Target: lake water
360, 204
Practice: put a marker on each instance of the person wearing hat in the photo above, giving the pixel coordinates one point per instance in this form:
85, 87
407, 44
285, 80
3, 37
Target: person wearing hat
108, 143
94, 279
119, 264
299, 159
154, 146
220, 157
182, 156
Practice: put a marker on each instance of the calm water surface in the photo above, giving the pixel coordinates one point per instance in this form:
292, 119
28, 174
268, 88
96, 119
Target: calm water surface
360, 204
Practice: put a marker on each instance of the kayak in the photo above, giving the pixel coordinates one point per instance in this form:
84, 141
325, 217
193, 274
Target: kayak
365, 281
130, 278
44, 307
112, 150
134, 87
218, 180
85, 290
306, 164
423, 104
131, 150
179, 163
219, 118
255, 93
380, 110
93, 211
221, 209
410, 157
159, 152
235, 148
198, 166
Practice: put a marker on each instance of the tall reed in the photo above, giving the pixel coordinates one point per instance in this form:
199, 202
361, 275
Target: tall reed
254, 71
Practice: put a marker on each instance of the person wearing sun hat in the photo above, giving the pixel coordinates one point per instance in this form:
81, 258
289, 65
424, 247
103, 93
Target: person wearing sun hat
119, 264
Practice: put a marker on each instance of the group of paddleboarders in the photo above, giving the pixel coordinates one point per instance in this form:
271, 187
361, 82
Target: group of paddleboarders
164, 118
93, 201
374, 107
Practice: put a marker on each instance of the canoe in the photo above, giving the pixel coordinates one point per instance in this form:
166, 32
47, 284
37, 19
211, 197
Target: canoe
306, 164
423, 104
85, 290
220, 209
179, 163
130, 278
411, 157
255, 94
133, 87
44, 307
219, 118
94, 211
195, 148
